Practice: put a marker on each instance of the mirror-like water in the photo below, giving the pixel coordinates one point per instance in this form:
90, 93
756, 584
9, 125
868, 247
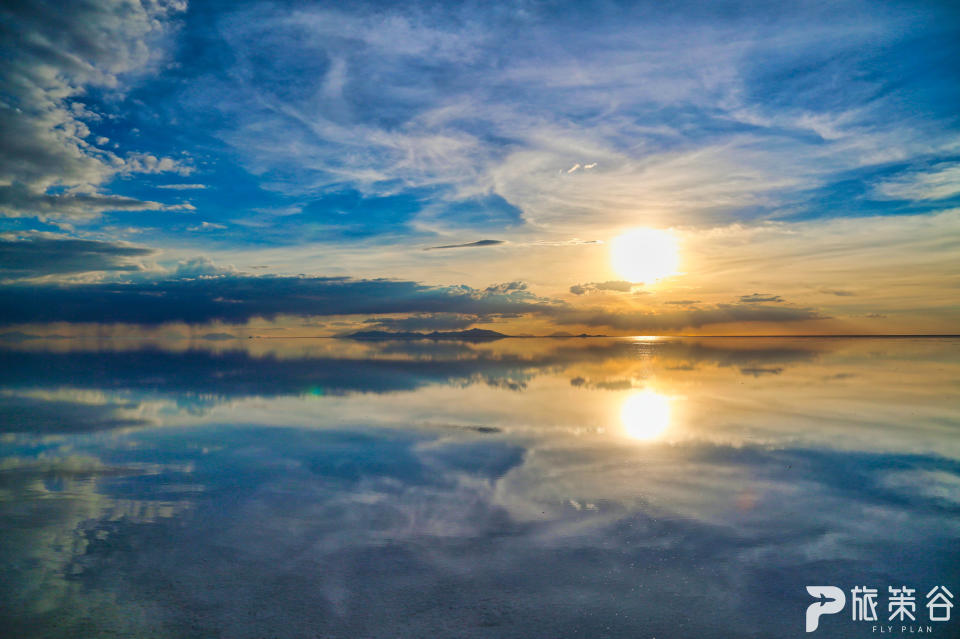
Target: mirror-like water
520, 488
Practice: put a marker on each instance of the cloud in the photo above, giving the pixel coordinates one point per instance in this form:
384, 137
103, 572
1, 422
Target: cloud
202, 293
937, 183
137, 162
434, 505
466, 245
44, 415
380, 367
689, 127
199, 267
614, 385
837, 292
755, 298
18, 200
198, 291
52, 57
207, 226
571, 242
41, 256
760, 372
683, 302
182, 187
516, 288
620, 286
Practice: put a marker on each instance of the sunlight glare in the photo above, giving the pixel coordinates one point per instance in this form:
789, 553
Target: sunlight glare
645, 415
645, 255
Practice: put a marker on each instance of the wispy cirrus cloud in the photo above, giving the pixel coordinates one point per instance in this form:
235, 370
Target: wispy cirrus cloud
937, 183
182, 187
680, 122
476, 244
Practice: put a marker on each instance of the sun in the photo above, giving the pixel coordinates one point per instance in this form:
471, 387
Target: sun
645, 255
645, 415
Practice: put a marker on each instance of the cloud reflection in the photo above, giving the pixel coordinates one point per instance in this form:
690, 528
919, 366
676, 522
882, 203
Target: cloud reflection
200, 484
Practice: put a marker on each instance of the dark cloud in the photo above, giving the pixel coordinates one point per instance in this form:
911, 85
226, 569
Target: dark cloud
47, 256
837, 292
756, 298
237, 298
42, 415
18, 199
758, 372
199, 292
467, 245
235, 373
507, 288
620, 286
607, 384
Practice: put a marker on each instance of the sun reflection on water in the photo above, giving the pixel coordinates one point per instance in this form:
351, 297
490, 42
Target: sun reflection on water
645, 415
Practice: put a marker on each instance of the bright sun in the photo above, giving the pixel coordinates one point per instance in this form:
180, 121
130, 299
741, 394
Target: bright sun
645, 415
645, 255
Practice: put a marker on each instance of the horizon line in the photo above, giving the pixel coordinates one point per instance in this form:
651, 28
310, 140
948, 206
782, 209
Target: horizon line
507, 336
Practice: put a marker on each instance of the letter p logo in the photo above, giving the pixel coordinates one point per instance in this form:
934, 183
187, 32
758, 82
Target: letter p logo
831, 600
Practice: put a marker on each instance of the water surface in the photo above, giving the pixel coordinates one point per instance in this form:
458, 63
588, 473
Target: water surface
519, 488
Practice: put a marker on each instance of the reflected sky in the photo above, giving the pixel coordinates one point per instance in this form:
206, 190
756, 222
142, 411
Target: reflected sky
645, 415
520, 488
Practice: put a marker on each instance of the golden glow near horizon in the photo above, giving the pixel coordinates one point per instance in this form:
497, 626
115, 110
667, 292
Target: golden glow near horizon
645, 415
645, 255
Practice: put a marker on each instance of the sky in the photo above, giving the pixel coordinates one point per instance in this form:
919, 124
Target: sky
624, 168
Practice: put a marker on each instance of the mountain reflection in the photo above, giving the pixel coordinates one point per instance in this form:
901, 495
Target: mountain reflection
540, 487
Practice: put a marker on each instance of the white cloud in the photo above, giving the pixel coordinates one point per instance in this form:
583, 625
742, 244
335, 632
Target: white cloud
676, 112
182, 187
56, 54
207, 226
941, 182
149, 164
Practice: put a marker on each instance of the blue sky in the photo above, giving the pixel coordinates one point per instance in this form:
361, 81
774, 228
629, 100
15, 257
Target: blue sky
321, 139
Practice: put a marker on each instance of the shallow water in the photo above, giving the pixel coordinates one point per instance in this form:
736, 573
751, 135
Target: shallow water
518, 488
